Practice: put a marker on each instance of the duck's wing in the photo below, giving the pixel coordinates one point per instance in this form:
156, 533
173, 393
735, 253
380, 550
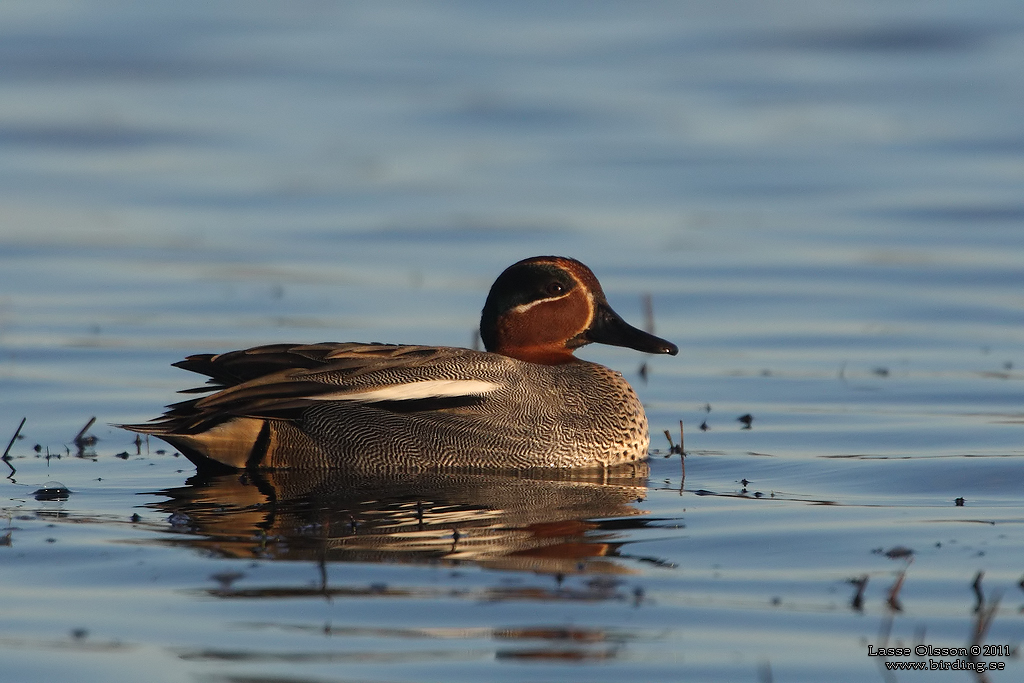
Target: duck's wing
278, 381
237, 367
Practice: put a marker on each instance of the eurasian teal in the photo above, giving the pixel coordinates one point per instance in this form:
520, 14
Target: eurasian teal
526, 402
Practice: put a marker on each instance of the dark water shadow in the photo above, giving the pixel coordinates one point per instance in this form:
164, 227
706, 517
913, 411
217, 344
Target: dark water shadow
557, 523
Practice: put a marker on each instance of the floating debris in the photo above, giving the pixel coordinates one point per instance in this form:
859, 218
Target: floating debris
897, 552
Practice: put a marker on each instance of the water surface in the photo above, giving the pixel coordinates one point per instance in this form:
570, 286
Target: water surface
823, 202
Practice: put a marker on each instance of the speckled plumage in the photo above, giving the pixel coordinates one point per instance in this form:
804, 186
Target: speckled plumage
378, 407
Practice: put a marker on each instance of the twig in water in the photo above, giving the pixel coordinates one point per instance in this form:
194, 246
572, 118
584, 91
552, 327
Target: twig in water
8, 449
80, 437
858, 599
682, 458
671, 445
894, 592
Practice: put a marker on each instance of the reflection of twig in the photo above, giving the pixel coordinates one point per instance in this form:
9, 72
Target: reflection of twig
8, 449
884, 631
648, 306
986, 613
919, 634
858, 599
978, 595
322, 566
5, 540
456, 536
322, 560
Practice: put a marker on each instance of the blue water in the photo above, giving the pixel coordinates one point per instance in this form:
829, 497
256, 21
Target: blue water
823, 202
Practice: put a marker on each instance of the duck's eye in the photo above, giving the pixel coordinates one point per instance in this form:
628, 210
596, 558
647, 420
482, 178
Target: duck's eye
554, 289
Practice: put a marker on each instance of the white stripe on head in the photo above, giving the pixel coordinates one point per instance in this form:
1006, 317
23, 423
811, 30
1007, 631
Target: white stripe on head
411, 391
523, 308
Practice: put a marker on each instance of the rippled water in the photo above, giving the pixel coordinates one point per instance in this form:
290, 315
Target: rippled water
823, 201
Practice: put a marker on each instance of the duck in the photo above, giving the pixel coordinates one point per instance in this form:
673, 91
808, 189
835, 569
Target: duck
525, 402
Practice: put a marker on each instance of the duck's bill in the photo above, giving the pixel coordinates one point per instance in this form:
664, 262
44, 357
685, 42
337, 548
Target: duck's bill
608, 328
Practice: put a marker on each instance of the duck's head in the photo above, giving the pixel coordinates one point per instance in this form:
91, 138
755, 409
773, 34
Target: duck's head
543, 308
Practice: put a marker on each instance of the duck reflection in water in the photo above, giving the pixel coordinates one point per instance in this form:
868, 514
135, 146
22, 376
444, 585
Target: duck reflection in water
565, 524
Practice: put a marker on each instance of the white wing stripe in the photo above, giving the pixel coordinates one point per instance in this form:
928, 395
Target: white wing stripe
431, 388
